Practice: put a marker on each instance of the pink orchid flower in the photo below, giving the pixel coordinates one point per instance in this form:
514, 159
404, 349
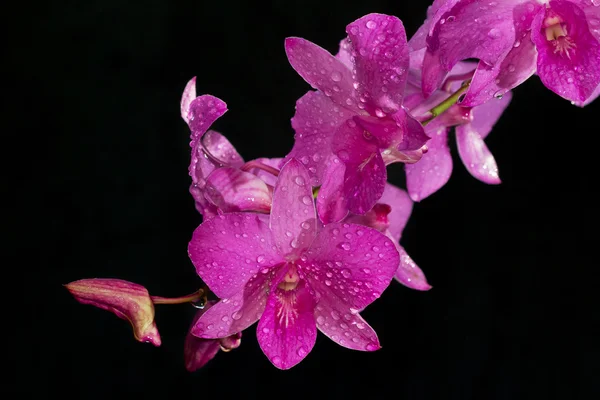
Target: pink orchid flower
390, 216
472, 125
219, 182
513, 39
291, 273
356, 115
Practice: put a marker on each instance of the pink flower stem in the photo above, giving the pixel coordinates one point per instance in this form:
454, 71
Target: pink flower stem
255, 164
190, 298
446, 104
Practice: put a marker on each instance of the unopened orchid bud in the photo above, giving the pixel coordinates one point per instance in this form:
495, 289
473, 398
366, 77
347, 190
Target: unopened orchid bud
198, 351
126, 300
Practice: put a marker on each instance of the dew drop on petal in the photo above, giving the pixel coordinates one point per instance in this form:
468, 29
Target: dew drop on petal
307, 200
301, 351
371, 24
336, 76
299, 181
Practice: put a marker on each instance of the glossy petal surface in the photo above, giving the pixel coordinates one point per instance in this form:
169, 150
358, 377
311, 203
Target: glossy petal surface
231, 190
229, 249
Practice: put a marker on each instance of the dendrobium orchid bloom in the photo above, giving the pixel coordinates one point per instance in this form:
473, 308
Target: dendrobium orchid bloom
292, 273
513, 39
390, 216
127, 300
197, 352
356, 115
219, 181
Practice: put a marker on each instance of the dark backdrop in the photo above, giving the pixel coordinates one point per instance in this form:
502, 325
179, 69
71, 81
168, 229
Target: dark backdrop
103, 188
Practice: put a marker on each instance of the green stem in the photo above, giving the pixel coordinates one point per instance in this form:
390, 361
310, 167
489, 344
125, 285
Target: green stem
446, 104
190, 298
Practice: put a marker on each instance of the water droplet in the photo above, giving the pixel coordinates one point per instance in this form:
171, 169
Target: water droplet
265, 330
305, 225
336, 76
288, 233
371, 24
307, 200
360, 325
517, 43
225, 318
237, 315
345, 245
366, 270
260, 259
276, 361
346, 273
371, 347
494, 33
302, 351
294, 243
511, 68
451, 18
335, 315
320, 320
299, 181
375, 248
499, 94
327, 282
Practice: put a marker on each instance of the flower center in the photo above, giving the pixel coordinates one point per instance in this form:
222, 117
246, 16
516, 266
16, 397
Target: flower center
556, 32
290, 280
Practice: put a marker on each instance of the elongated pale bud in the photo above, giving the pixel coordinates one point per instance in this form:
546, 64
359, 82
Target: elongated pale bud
126, 300
197, 351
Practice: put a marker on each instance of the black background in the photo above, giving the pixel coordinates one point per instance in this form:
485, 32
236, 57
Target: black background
102, 191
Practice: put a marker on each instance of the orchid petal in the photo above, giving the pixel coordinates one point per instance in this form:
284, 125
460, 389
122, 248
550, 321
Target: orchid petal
293, 214
315, 122
382, 60
433, 170
413, 134
345, 53
287, 330
236, 313
574, 73
346, 328
353, 262
331, 203
203, 112
475, 155
401, 208
408, 273
376, 218
517, 66
228, 249
322, 71
486, 115
365, 174
231, 190
469, 30
265, 176
197, 352
189, 94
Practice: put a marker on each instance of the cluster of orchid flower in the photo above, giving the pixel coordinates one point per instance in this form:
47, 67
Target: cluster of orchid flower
310, 240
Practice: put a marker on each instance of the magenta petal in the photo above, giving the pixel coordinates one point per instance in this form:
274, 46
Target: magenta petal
401, 208
221, 149
287, 330
381, 60
573, 73
293, 214
203, 111
231, 190
364, 186
265, 176
353, 262
196, 351
236, 313
471, 29
376, 218
475, 155
228, 249
322, 71
413, 134
434, 12
189, 94
516, 67
331, 203
346, 328
315, 123
409, 274
432, 172
486, 115
345, 53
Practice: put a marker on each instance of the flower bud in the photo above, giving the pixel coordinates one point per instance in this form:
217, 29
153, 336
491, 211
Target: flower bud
197, 351
126, 300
